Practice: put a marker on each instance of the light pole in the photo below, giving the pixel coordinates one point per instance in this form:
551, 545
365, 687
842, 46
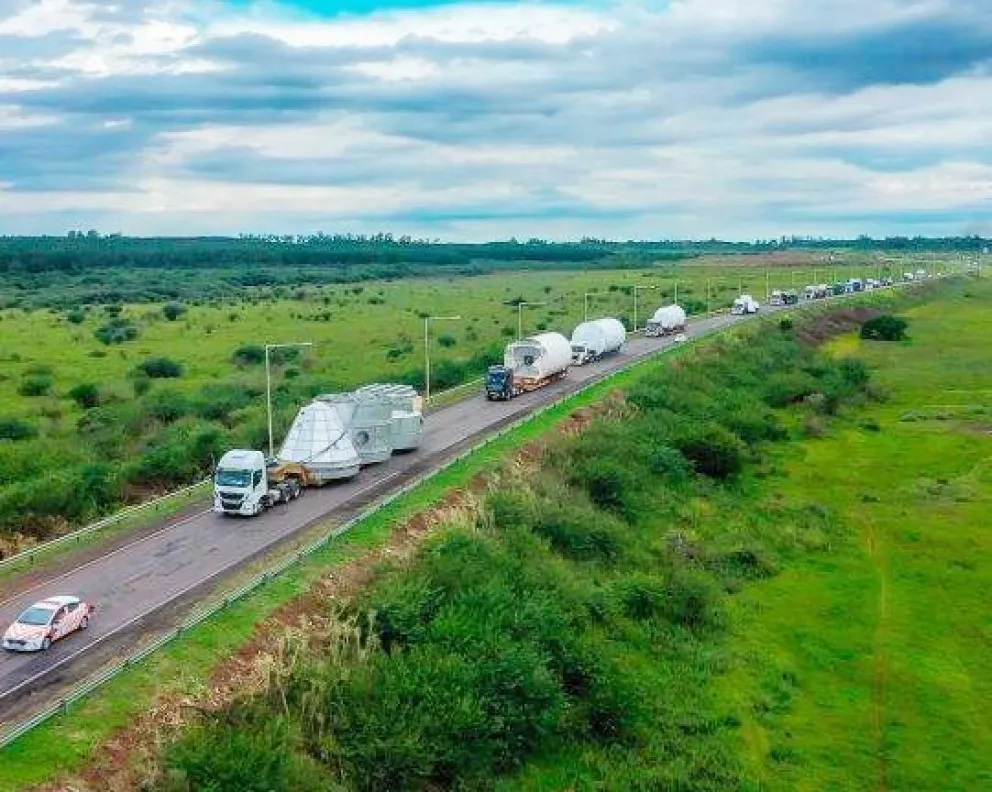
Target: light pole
268, 383
427, 355
585, 306
520, 317
635, 302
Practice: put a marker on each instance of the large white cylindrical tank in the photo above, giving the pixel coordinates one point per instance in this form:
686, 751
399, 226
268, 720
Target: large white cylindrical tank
538, 356
669, 317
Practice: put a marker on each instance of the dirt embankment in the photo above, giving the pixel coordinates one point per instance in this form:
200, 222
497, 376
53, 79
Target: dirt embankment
821, 328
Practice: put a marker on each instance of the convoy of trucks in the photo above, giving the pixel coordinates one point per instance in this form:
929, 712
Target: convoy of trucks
337, 434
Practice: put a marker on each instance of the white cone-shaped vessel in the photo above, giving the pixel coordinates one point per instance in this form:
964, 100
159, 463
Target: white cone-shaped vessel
320, 440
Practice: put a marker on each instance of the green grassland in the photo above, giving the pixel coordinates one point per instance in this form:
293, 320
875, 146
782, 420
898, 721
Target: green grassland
81, 415
865, 666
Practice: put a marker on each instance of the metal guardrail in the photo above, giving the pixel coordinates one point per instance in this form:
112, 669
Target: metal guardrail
76, 536
62, 706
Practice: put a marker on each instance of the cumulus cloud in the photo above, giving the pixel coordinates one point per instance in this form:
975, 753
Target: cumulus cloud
703, 117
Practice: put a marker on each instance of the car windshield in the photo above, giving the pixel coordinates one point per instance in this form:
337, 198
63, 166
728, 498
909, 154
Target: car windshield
233, 478
36, 616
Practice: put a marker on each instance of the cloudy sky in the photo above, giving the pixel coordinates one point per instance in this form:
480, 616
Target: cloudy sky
690, 118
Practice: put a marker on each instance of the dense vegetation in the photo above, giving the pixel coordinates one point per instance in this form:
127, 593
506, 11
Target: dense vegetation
88, 268
569, 630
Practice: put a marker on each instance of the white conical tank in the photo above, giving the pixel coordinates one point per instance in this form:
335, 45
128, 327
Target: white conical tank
320, 440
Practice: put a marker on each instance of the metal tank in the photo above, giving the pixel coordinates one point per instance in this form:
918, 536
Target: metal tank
667, 319
319, 439
591, 340
538, 357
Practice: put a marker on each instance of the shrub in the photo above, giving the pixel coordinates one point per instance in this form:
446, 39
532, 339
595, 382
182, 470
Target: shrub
249, 354
76, 316
447, 340
161, 368
167, 405
884, 328
116, 331
86, 395
173, 310
37, 385
713, 450
16, 429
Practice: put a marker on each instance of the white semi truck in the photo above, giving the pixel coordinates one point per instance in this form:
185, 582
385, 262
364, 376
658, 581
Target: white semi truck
591, 340
745, 304
332, 438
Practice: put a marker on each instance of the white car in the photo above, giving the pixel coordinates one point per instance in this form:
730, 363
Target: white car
45, 622
680, 338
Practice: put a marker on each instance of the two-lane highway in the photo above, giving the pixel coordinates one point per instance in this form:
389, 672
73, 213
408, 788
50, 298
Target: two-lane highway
134, 580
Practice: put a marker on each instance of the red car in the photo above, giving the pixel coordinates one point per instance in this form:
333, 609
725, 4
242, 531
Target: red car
45, 622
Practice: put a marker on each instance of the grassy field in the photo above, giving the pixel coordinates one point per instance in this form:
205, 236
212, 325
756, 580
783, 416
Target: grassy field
865, 666
80, 413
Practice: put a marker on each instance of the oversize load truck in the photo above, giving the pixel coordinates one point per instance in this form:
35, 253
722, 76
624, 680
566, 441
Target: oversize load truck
591, 340
331, 438
667, 320
529, 364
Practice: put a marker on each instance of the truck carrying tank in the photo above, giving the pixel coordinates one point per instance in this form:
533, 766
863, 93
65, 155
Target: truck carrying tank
538, 358
591, 340
666, 320
745, 304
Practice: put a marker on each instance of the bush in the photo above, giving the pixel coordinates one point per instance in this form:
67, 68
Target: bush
86, 395
249, 354
884, 328
713, 450
173, 310
76, 316
116, 331
16, 429
35, 386
447, 340
161, 368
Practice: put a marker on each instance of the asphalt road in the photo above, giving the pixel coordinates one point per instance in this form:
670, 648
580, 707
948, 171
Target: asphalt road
143, 576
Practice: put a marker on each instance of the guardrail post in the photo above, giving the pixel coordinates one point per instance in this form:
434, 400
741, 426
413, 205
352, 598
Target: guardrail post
64, 706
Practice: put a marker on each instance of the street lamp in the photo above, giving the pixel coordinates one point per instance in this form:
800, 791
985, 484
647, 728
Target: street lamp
268, 383
585, 306
520, 316
427, 355
635, 302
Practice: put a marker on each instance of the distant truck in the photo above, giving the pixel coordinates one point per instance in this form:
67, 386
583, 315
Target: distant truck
529, 364
745, 304
667, 320
331, 438
591, 340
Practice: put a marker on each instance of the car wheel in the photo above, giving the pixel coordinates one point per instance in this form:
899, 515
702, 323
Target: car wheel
46, 644
84, 623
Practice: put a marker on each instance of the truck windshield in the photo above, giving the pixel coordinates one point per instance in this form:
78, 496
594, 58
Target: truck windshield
36, 616
233, 478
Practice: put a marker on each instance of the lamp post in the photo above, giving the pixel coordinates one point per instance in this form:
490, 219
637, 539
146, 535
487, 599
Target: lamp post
520, 316
268, 383
585, 306
427, 355
635, 302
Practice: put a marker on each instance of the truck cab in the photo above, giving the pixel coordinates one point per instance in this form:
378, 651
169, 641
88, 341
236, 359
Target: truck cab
240, 483
245, 485
499, 383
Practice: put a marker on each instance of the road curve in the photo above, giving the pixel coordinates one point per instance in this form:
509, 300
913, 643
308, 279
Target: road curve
150, 575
